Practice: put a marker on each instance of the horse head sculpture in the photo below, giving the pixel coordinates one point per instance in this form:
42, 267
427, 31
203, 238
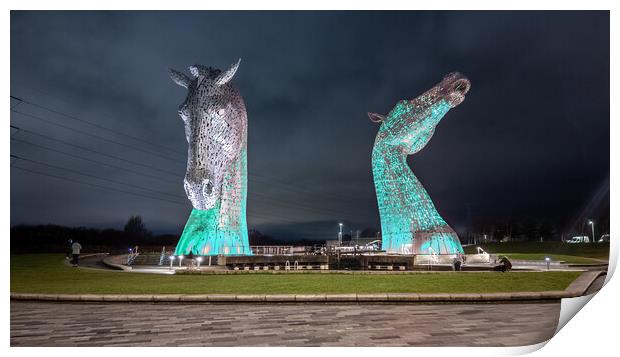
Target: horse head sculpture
215, 182
410, 222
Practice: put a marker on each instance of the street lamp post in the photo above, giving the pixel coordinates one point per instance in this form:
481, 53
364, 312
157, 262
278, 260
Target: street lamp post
340, 234
591, 223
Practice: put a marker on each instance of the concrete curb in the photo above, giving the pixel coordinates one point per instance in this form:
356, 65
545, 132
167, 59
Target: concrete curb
109, 262
341, 298
594, 265
576, 288
582, 283
67, 260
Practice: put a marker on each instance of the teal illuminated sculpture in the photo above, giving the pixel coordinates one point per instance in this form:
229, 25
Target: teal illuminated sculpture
410, 223
216, 181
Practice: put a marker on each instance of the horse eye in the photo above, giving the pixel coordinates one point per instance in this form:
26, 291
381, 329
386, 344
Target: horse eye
221, 112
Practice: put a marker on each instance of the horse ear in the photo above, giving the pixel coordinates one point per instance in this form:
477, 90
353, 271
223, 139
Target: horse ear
376, 118
179, 78
227, 75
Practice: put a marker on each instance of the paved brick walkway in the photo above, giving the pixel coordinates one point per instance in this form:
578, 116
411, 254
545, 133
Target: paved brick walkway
55, 324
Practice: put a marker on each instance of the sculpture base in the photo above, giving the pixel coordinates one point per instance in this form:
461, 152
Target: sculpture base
425, 243
204, 235
438, 243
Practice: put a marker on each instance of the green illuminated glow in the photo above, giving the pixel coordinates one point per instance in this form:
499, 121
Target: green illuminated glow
410, 222
223, 228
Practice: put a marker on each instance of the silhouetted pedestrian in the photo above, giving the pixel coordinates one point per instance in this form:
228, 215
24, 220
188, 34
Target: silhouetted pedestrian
76, 248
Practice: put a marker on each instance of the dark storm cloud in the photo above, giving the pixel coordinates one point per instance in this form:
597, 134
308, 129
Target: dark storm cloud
531, 138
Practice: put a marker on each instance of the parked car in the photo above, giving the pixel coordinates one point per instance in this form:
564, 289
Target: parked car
604, 238
579, 239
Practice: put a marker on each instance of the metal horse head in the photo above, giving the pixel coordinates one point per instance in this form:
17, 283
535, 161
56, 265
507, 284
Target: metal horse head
411, 124
215, 127
409, 220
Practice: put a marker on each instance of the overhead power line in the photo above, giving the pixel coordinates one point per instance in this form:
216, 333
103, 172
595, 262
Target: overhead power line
324, 210
253, 177
99, 126
96, 152
15, 158
156, 154
141, 173
96, 177
265, 198
269, 217
297, 189
96, 185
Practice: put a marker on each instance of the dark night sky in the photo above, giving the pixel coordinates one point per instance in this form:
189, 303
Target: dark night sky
531, 138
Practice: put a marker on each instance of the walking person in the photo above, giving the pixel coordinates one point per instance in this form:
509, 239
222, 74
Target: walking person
76, 248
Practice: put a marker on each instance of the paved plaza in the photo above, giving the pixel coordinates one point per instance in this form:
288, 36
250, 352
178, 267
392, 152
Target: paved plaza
66, 324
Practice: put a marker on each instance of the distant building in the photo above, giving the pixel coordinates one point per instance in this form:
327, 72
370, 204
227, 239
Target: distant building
332, 243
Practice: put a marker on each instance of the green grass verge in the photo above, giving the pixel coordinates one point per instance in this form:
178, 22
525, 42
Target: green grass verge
46, 273
554, 257
571, 253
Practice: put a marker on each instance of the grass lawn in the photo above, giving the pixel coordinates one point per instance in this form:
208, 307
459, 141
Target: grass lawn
46, 273
571, 253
